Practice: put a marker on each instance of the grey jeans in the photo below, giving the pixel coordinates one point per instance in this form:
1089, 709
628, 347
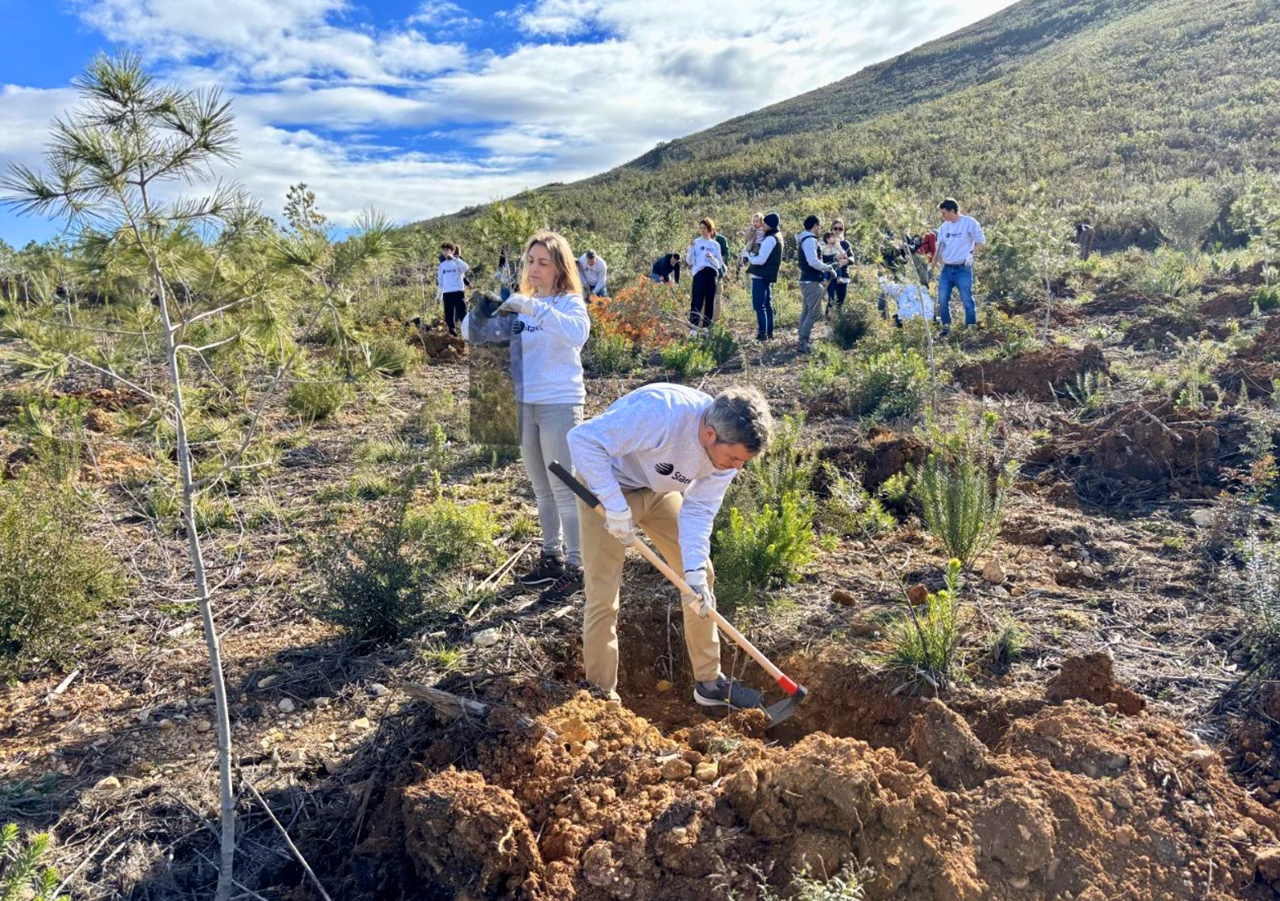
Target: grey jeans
811, 297
544, 437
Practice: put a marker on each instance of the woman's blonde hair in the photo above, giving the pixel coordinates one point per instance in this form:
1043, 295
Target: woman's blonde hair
710, 224
567, 280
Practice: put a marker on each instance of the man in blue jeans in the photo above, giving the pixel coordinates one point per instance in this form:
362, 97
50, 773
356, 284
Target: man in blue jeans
958, 238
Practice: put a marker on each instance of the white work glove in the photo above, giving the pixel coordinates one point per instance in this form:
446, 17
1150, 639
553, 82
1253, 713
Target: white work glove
703, 601
619, 525
518, 303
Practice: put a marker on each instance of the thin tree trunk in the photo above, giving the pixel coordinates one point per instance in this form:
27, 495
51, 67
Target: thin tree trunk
221, 713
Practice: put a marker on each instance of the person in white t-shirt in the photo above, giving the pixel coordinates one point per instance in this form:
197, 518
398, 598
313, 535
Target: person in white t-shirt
705, 261
593, 269
546, 325
959, 237
451, 286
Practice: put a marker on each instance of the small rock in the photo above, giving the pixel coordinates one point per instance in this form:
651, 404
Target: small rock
707, 771
167, 724
1268, 862
268, 681
664, 686
286, 705
203, 725
843, 598
676, 769
321, 702
1000, 591
297, 755
993, 572
377, 689
486, 638
918, 594
110, 783
1202, 518
59, 713
360, 724
1020, 882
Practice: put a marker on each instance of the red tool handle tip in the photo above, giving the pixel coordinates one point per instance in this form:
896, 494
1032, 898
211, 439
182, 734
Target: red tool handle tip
788, 686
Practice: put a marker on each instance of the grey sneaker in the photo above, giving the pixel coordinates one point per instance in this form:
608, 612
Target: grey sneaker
728, 693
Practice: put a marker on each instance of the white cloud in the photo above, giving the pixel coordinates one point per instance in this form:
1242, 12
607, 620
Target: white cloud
443, 15
348, 108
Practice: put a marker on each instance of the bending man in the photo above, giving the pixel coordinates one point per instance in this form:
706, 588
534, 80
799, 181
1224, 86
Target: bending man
662, 458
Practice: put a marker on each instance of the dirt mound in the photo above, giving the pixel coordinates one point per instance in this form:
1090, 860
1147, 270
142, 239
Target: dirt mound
879, 455
1037, 374
1069, 803
1091, 677
442, 348
1142, 451
470, 834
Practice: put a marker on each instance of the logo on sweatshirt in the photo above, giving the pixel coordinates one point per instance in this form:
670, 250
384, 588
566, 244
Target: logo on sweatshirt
669, 470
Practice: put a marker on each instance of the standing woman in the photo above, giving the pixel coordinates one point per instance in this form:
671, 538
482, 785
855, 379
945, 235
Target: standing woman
705, 262
451, 285
546, 325
763, 264
838, 289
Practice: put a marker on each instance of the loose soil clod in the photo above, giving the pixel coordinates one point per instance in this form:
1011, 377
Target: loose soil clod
1067, 802
1038, 374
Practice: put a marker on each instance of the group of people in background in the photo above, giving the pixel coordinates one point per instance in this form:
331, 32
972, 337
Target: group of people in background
823, 259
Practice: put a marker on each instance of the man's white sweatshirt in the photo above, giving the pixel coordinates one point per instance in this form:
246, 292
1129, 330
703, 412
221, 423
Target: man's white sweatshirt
546, 347
649, 439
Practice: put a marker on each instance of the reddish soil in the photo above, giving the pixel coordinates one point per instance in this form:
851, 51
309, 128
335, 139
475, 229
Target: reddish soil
1092, 678
879, 455
1067, 802
1037, 374
442, 348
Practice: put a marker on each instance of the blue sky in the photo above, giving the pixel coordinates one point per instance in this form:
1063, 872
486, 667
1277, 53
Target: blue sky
419, 107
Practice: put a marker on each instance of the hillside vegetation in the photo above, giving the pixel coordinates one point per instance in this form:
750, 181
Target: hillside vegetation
1111, 106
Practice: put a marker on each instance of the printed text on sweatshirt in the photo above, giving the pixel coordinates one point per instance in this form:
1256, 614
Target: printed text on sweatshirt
449, 275
649, 439
546, 347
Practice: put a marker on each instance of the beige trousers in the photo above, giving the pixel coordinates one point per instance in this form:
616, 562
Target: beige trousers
602, 557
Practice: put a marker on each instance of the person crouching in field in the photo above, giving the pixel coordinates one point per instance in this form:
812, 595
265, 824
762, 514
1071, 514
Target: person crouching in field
451, 285
662, 458
546, 325
705, 263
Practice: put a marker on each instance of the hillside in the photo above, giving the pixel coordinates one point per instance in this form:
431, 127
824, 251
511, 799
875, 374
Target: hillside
1102, 101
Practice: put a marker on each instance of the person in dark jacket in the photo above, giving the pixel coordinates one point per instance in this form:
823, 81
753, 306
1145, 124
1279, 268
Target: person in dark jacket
666, 268
762, 267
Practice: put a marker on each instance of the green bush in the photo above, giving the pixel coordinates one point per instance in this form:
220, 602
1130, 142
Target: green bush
445, 535
826, 365
610, 354
843, 886
53, 579
720, 343
851, 325
849, 510
389, 356
388, 579
765, 551
888, 384
21, 877
927, 642
1006, 643
319, 399
1258, 584
687, 361
962, 500
1267, 298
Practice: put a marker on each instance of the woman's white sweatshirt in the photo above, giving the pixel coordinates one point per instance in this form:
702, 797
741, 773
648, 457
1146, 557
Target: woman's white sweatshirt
649, 439
546, 347
697, 255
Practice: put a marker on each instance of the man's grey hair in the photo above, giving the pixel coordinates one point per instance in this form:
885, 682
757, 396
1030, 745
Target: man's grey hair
741, 416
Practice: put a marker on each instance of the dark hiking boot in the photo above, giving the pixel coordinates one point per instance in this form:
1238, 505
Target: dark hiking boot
549, 568
727, 693
569, 584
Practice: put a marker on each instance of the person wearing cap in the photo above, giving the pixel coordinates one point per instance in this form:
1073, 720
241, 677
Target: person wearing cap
763, 263
592, 270
959, 237
813, 280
